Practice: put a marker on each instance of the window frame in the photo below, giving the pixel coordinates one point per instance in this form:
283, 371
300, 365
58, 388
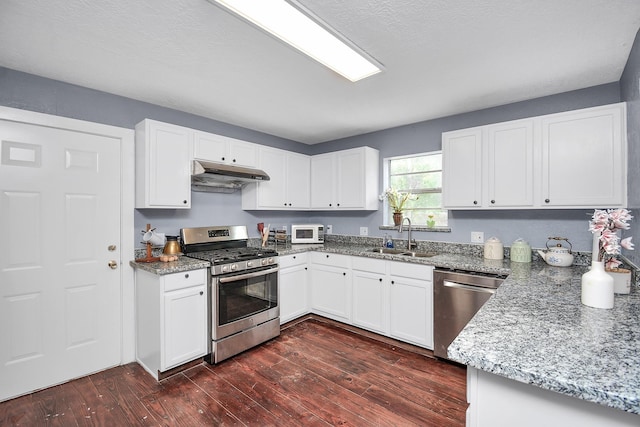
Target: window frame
386, 165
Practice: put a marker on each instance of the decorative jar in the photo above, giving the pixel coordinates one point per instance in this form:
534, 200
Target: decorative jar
597, 287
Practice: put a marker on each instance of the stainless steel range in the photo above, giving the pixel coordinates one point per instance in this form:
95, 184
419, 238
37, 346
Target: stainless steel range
243, 288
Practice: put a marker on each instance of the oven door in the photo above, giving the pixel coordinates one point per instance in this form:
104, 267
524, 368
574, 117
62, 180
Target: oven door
243, 300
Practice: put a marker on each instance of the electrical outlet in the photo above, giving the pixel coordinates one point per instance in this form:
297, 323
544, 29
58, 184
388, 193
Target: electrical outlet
364, 231
329, 229
477, 237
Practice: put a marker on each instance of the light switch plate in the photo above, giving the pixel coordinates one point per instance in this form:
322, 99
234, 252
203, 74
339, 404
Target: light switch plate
364, 231
329, 229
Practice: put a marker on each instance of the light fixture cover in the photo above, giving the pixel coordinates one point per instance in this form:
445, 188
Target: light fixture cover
306, 33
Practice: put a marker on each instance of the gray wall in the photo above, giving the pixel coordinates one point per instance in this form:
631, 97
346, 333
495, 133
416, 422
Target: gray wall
630, 93
20, 90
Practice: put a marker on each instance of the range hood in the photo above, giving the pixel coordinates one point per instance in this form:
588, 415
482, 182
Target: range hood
220, 178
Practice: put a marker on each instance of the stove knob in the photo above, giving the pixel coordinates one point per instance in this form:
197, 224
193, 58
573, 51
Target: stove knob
249, 264
270, 260
234, 267
264, 261
225, 268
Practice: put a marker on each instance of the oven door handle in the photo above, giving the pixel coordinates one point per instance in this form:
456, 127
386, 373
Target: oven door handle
448, 284
248, 275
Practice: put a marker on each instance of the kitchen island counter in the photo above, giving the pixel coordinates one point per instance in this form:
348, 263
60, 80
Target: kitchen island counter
535, 330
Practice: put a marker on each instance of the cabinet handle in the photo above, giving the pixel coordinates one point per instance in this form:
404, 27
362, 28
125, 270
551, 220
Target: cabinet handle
223, 159
184, 202
186, 276
344, 274
475, 202
393, 282
330, 204
201, 292
289, 204
234, 160
294, 257
546, 200
493, 202
338, 204
380, 279
305, 268
327, 256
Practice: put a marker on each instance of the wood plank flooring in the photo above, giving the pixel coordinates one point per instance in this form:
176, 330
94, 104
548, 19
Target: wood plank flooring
315, 374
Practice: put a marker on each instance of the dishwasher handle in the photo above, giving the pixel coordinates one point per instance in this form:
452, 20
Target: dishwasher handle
468, 287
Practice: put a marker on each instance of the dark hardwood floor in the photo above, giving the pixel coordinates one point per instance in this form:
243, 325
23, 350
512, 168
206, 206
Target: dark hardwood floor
315, 373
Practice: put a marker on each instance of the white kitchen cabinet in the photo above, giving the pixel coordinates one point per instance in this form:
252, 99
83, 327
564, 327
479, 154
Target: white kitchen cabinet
510, 163
289, 184
462, 169
294, 283
163, 162
584, 158
573, 159
171, 319
222, 149
411, 303
370, 294
330, 283
347, 179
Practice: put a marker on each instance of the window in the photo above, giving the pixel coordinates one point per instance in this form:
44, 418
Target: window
421, 174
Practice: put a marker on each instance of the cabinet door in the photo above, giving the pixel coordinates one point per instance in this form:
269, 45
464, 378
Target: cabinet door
370, 300
411, 310
331, 292
163, 157
510, 164
293, 292
272, 193
243, 153
210, 147
185, 326
350, 185
584, 158
462, 168
298, 181
323, 178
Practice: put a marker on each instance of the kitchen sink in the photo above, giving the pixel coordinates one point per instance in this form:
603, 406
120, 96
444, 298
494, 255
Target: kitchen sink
403, 252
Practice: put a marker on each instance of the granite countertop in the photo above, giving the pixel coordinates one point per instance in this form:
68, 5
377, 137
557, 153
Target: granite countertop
535, 330
161, 268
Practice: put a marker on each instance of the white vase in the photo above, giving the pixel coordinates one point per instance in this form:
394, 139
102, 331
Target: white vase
597, 287
621, 280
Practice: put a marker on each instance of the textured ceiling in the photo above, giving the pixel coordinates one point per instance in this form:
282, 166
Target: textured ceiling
441, 57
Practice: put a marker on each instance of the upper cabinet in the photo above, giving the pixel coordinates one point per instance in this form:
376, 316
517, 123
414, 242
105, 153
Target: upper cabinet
288, 187
346, 180
566, 160
222, 149
163, 162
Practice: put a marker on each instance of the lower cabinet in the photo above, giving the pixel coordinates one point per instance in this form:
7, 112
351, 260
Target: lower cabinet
411, 303
331, 286
171, 319
390, 298
294, 298
370, 295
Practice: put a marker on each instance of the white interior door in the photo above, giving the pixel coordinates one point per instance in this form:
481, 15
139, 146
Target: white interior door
60, 315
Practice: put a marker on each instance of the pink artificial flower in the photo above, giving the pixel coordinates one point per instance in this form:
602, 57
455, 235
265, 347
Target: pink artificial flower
626, 243
619, 218
612, 263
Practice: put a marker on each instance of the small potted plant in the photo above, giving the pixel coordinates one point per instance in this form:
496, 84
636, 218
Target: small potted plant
397, 199
431, 222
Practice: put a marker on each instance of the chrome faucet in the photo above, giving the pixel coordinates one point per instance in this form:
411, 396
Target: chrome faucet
410, 244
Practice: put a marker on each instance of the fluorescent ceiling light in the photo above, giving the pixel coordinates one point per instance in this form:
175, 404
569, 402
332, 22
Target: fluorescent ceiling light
290, 24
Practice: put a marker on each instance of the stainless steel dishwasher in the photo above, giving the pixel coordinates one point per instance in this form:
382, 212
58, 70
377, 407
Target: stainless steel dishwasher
458, 295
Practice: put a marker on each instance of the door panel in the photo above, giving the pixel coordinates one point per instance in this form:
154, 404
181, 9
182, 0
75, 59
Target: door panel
59, 212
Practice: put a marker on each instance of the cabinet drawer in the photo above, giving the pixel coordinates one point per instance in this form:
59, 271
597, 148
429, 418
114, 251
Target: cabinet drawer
291, 260
334, 260
184, 279
368, 264
414, 271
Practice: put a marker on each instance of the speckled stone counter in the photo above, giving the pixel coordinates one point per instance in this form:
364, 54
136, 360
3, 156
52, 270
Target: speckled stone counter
161, 268
536, 331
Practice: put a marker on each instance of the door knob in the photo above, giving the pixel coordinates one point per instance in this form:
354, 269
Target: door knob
113, 264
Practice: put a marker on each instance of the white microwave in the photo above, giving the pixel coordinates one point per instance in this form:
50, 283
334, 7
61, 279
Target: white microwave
307, 233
